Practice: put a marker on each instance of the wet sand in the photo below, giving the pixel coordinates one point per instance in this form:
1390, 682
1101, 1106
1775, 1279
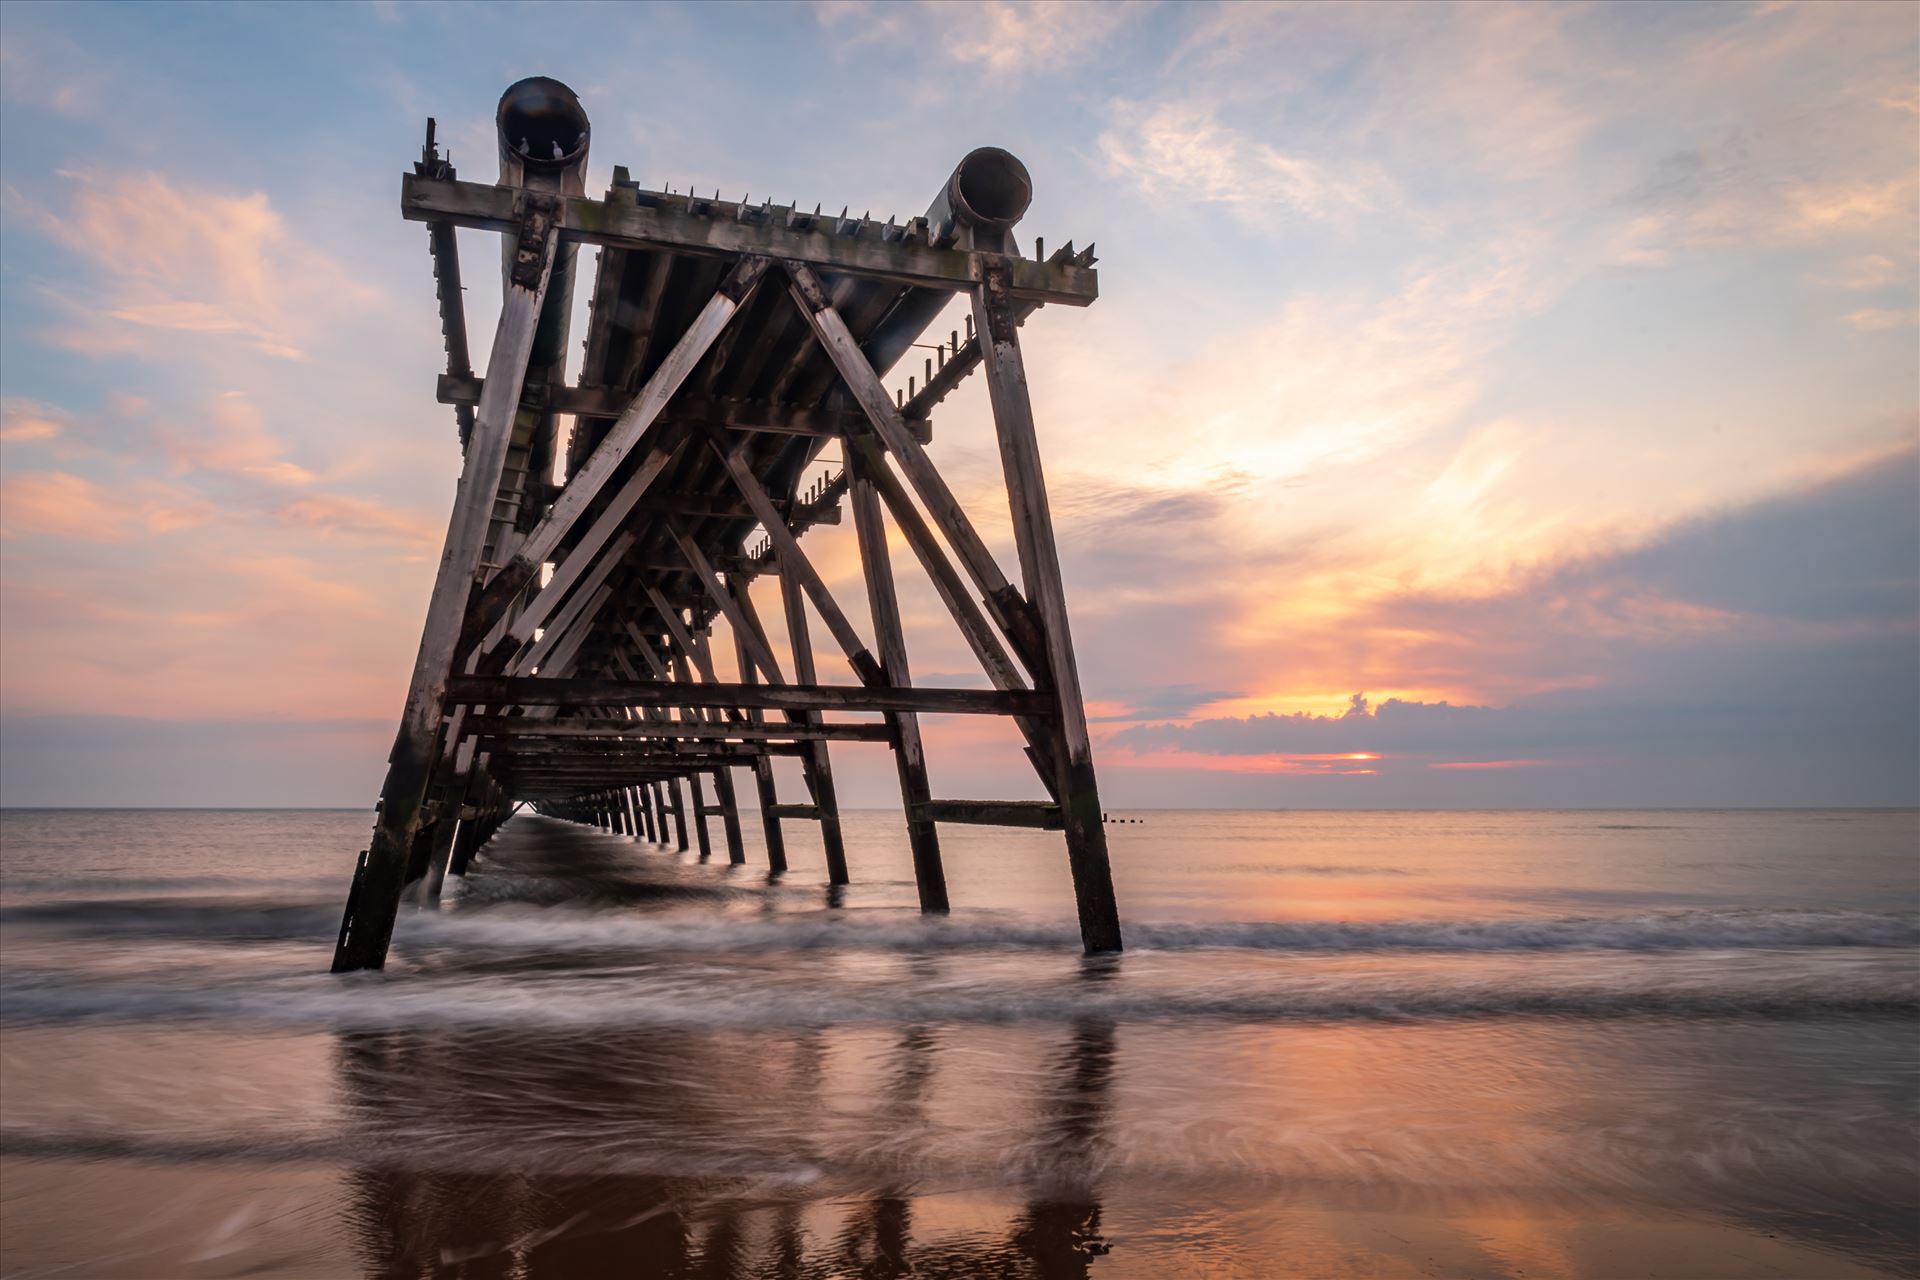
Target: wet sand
70, 1217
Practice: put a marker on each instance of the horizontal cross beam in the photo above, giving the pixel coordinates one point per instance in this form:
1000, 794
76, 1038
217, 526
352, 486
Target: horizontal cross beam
634, 226
611, 402
995, 813
517, 727
581, 691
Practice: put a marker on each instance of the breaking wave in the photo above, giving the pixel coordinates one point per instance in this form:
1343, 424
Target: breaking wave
719, 1000
564, 929
561, 930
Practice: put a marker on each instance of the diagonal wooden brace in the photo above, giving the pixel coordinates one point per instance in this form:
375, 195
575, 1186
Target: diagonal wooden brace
1004, 603
794, 561
374, 901
621, 438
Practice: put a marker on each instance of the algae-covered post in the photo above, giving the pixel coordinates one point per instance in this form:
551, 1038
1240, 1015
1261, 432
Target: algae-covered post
566, 659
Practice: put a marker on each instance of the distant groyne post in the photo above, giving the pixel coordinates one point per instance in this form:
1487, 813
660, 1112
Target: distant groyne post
567, 659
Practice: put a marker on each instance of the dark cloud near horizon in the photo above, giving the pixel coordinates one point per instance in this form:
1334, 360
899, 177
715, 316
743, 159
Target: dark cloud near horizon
1774, 648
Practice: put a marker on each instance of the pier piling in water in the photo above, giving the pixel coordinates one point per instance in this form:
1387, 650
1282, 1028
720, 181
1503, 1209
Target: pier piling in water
566, 661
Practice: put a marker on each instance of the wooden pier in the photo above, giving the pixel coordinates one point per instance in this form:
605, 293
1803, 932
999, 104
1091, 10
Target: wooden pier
567, 657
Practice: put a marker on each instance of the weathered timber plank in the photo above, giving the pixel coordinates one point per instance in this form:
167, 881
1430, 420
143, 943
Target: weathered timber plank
906, 262
519, 727
995, 320
794, 564
996, 813
586, 691
611, 402
374, 901
1003, 602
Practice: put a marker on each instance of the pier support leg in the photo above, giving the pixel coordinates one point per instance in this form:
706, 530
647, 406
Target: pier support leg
817, 765
909, 753
763, 779
367, 924
659, 810
700, 815
678, 798
763, 782
729, 815
466, 843
996, 323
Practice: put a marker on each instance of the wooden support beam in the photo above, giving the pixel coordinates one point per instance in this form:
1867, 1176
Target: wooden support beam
518, 727
994, 303
737, 415
1003, 602
678, 805
579, 611
374, 900
729, 816
909, 754
588, 691
676, 229
818, 765
810, 812
621, 438
763, 779
755, 644
794, 562
700, 811
995, 813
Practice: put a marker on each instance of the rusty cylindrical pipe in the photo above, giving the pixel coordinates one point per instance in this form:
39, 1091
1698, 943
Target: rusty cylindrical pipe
978, 205
987, 193
543, 135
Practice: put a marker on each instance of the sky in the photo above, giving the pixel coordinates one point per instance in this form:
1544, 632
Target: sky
1485, 405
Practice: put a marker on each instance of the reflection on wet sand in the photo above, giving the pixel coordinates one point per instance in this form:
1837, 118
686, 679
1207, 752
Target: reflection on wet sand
545, 1189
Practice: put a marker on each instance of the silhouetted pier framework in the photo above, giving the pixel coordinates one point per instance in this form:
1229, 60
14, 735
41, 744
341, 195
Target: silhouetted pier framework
567, 655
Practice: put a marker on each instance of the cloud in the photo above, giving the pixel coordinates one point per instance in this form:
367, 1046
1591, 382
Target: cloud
334, 514
70, 506
170, 258
231, 438
66, 505
1871, 319
1005, 38
24, 421
1181, 151
1777, 637
1864, 272
1009, 37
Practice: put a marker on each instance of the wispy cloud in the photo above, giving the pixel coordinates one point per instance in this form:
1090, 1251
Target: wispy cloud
1181, 151
169, 257
1012, 36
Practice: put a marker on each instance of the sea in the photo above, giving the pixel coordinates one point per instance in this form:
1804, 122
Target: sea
1486, 1044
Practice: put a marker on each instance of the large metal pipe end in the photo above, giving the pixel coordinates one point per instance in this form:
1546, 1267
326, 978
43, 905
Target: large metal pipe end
988, 193
543, 132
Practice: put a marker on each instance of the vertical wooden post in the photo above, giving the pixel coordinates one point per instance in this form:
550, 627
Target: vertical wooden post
996, 323
909, 753
700, 814
679, 813
367, 927
729, 814
762, 763
817, 764
659, 811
